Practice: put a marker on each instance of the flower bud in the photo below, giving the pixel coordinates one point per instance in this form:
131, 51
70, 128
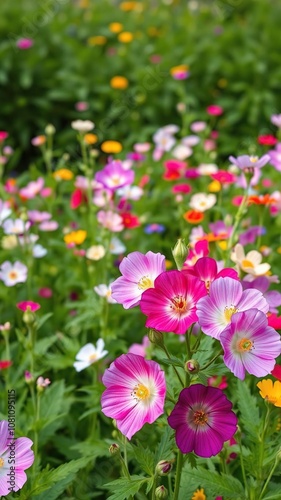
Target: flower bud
161, 492
50, 129
114, 449
192, 366
180, 252
28, 377
156, 337
163, 467
28, 317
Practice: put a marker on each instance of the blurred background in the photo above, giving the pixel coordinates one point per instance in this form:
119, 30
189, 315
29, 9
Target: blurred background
113, 62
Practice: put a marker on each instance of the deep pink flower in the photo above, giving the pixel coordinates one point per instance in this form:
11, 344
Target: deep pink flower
274, 321
45, 293
203, 420
226, 298
114, 176
3, 366
24, 43
201, 249
224, 177
139, 272
3, 135
276, 372
250, 345
23, 459
214, 110
206, 269
135, 392
171, 304
181, 188
33, 306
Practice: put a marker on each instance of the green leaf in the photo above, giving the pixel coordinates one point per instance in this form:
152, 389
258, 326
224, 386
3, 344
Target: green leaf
125, 488
144, 457
163, 450
43, 319
217, 484
247, 405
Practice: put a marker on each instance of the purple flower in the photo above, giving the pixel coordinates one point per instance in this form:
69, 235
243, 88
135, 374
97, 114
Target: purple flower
154, 228
244, 161
275, 156
251, 234
262, 284
203, 420
250, 345
114, 176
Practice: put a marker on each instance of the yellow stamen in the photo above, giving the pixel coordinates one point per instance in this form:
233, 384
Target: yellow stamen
1, 462
228, 313
141, 392
247, 263
245, 345
200, 417
13, 275
93, 357
179, 304
144, 283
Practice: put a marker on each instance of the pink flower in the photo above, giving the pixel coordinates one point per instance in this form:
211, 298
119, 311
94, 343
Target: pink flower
28, 304
139, 273
24, 43
3, 135
206, 269
203, 420
214, 110
81, 106
171, 304
114, 176
226, 298
48, 225
42, 383
249, 344
135, 393
110, 220
45, 293
201, 249
140, 349
23, 459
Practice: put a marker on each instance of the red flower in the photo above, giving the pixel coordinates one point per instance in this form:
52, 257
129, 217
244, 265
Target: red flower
224, 177
5, 364
77, 198
130, 221
276, 372
214, 110
274, 321
267, 140
193, 217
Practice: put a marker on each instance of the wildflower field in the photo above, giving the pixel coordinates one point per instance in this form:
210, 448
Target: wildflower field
140, 250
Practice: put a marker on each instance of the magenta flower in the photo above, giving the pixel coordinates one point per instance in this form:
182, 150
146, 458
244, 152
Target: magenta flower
206, 269
139, 272
24, 43
250, 345
114, 176
225, 299
14, 453
203, 420
33, 306
171, 304
135, 392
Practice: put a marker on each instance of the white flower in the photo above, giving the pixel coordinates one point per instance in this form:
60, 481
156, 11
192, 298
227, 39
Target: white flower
182, 151
249, 263
130, 192
82, 125
11, 274
116, 247
89, 354
190, 140
105, 291
202, 202
95, 252
207, 168
17, 226
5, 211
38, 251
164, 140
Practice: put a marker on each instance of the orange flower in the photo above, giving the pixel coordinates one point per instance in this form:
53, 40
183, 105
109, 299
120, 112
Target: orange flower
119, 82
115, 27
181, 68
126, 6
111, 147
270, 391
97, 40
63, 174
265, 199
90, 138
193, 217
125, 37
75, 237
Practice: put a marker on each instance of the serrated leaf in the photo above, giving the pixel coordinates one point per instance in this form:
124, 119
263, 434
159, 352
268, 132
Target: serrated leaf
144, 457
218, 484
172, 361
125, 488
43, 319
247, 405
163, 450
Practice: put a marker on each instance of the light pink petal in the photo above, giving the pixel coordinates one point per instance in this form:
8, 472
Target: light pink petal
24, 455
3, 436
253, 299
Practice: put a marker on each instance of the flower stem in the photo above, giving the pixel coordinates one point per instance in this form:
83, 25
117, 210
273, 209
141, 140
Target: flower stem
178, 475
174, 368
268, 478
211, 361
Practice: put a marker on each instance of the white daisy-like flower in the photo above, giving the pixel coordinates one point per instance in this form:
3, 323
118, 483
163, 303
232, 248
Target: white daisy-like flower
116, 246
182, 151
82, 126
11, 274
106, 292
249, 263
95, 252
207, 168
202, 201
89, 354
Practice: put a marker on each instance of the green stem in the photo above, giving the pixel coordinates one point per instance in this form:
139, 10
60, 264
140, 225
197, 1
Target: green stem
243, 467
174, 368
269, 477
154, 487
178, 475
262, 440
238, 218
211, 361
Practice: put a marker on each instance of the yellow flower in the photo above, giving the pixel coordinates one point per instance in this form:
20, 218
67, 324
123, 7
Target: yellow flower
125, 37
169, 264
115, 27
199, 495
179, 69
90, 138
126, 6
97, 40
111, 147
9, 242
63, 174
222, 245
119, 82
214, 186
76, 237
270, 392
84, 4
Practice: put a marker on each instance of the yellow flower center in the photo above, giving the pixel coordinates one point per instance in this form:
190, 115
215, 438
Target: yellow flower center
245, 345
179, 304
144, 283
228, 313
247, 263
253, 159
93, 357
13, 275
1, 462
200, 417
141, 392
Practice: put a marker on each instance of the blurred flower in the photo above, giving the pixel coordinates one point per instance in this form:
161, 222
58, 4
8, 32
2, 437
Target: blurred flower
251, 234
116, 247
63, 174
3, 135
262, 284
130, 221
15, 226
82, 126
270, 391
267, 140
24, 43
32, 189
39, 140
105, 291
193, 216
180, 72
23, 458
198, 126
42, 383
5, 364
11, 274
45, 293
182, 151
95, 252
113, 176
249, 263
199, 495
125, 37
130, 192
48, 225
97, 40
90, 138
81, 106
119, 82
154, 228
203, 420
142, 147
115, 27
5, 210
140, 349
276, 120
76, 237
214, 110
110, 220
135, 392
207, 168
245, 161
202, 202
111, 147
28, 305
89, 354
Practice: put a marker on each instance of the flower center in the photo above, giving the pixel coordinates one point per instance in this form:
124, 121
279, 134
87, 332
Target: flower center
115, 179
247, 263
228, 313
13, 275
141, 392
1, 462
253, 159
93, 357
145, 282
179, 304
200, 417
245, 345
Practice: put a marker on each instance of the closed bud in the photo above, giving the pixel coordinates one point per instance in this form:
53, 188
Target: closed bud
29, 317
161, 492
156, 338
114, 449
163, 467
180, 252
50, 129
192, 366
